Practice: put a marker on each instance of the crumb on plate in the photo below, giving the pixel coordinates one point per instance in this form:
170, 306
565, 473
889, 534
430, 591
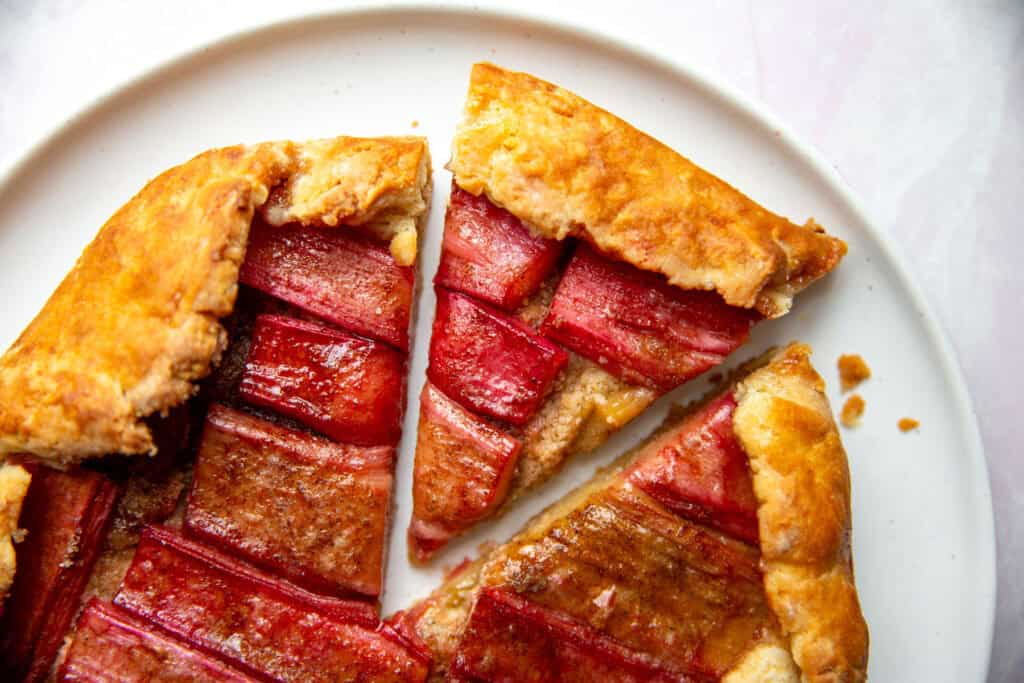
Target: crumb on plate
852, 411
415, 123
908, 424
852, 371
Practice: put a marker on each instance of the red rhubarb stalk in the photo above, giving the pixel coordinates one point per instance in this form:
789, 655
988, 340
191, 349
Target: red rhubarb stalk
66, 516
334, 273
302, 506
488, 253
637, 326
262, 624
464, 466
344, 386
489, 362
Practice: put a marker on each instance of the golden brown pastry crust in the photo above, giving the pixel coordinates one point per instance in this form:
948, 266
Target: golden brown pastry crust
14, 481
802, 483
567, 167
135, 322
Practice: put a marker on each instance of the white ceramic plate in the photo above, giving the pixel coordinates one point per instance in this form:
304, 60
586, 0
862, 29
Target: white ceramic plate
923, 533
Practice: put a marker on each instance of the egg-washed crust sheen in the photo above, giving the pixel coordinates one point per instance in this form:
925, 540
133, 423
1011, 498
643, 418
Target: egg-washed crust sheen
568, 168
14, 481
802, 484
135, 323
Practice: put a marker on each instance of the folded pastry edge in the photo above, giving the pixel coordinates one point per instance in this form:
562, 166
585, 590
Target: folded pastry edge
135, 323
566, 167
801, 480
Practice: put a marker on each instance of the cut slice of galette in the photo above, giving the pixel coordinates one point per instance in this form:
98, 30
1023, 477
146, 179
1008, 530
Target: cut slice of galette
221, 375
718, 550
586, 269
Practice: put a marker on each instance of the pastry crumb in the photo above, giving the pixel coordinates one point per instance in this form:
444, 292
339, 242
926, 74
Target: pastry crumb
852, 411
852, 371
908, 424
415, 123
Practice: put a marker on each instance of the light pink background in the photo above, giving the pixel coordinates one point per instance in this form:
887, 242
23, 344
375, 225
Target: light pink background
918, 104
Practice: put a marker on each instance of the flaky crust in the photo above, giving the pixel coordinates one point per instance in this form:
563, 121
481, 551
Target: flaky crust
567, 167
14, 481
135, 322
802, 483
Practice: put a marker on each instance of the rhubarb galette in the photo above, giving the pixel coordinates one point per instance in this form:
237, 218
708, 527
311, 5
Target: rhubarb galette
221, 380
717, 550
586, 269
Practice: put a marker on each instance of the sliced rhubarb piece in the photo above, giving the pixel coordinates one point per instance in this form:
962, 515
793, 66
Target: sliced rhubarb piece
489, 362
302, 506
637, 326
264, 625
685, 595
488, 253
336, 274
509, 639
463, 469
704, 474
66, 516
111, 645
344, 386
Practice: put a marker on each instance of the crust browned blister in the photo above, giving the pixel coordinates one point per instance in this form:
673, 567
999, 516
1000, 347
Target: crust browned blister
802, 483
135, 323
568, 168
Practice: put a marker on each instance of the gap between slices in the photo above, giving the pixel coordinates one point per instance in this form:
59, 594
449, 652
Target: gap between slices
666, 566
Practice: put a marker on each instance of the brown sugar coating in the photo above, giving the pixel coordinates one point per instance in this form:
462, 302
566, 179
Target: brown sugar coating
852, 411
852, 371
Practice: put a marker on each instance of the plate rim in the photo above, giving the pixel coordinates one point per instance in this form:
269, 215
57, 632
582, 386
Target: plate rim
683, 69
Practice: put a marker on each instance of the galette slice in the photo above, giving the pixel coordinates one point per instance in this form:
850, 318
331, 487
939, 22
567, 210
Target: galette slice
227, 359
586, 269
718, 550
